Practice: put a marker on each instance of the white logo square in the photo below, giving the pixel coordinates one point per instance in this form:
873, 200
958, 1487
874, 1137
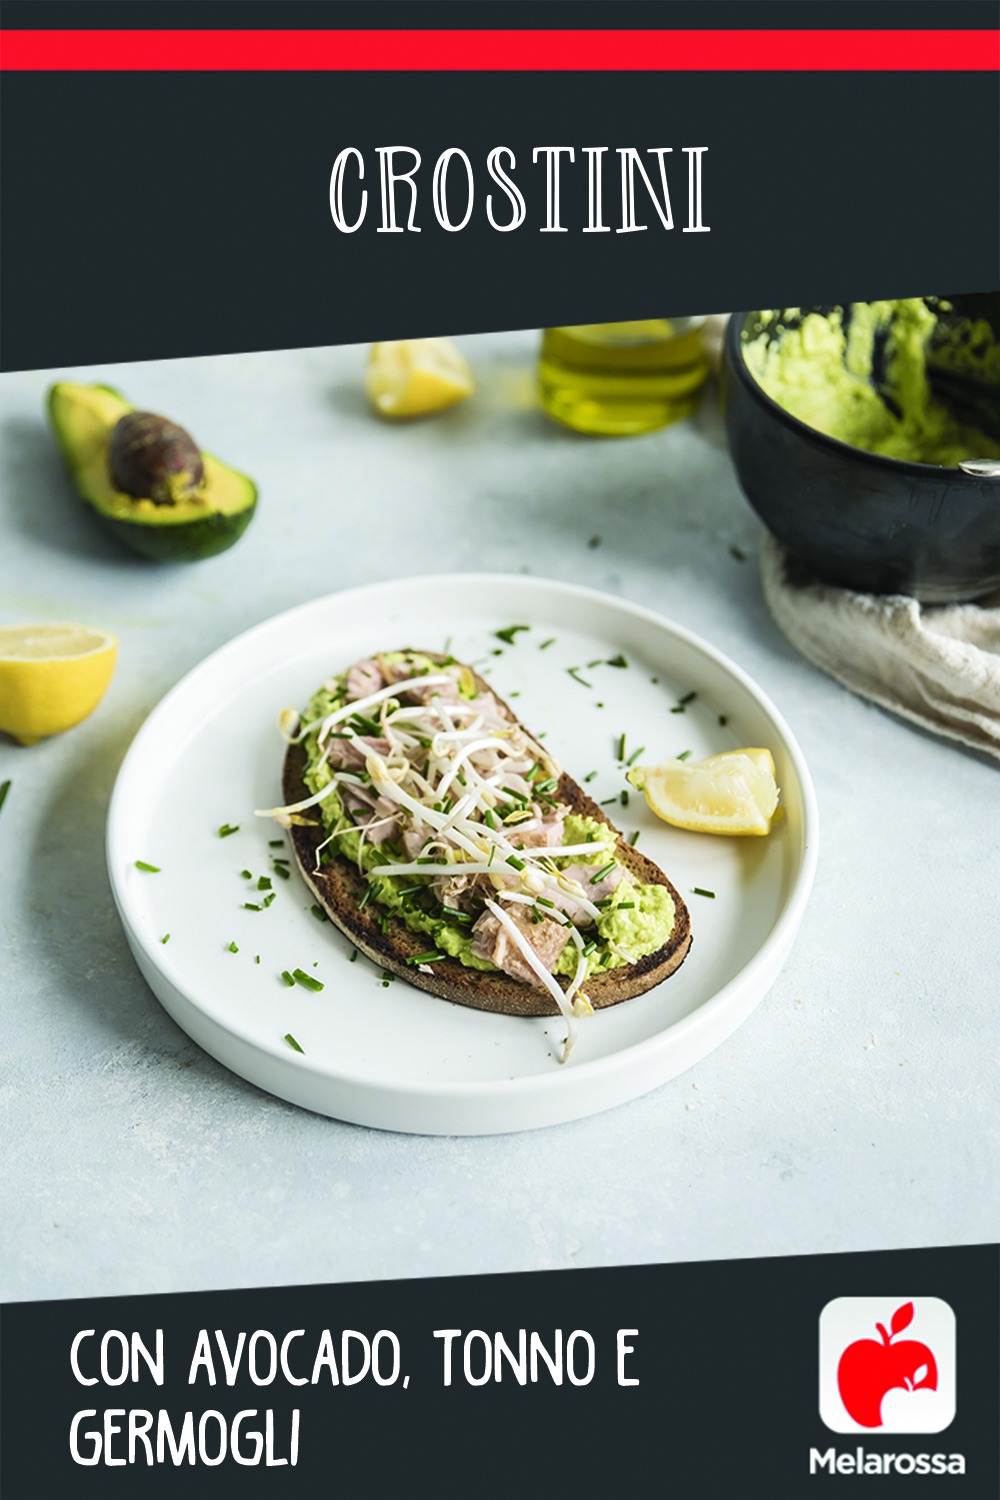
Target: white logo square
887, 1364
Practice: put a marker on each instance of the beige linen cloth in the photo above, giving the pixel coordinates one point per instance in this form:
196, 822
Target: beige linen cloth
938, 665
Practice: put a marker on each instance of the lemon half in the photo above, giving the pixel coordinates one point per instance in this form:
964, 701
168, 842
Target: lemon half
415, 377
734, 793
51, 677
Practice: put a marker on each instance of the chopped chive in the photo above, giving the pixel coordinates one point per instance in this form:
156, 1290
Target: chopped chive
489, 819
608, 801
263, 883
426, 859
509, 695
292, 1042
269, 898
634, 839
251, 906
408, 890
165, 938
319, 913
275, 843
307, 981
625, 906
509, 633
683, 755
604, 870
590, 776
4, 789
678, 708
595, 541
737, 553
227, 829
621, 747
232, 948
688, 698
282, 872
544, 901
257, 959
635, 755
365, 898
493, 850
623, 798
655, 681
574, 672
141, 864
432, 957
599, 705
699, 891
455, 914
288, 978
246, 874
352, 956
546, 644
723, 720
518, 864
617, 661
588, 949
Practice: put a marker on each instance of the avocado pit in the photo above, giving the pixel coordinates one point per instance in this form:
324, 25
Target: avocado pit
152, 458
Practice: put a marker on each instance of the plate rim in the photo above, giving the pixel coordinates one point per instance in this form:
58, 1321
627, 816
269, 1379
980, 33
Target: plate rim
774, 946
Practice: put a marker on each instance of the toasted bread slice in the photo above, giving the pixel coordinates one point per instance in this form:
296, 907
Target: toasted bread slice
339, 887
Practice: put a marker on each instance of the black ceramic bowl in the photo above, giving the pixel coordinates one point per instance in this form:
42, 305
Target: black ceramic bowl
858, 520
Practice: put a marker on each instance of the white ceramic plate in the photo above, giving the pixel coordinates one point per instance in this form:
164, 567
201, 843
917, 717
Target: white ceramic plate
389, 1055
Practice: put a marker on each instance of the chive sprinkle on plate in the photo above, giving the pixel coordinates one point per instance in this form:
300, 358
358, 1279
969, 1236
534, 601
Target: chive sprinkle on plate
286, 976
307, 981
509, 632
141, 864
232, 948
227, 829
700, 891
293, 1043
4, 789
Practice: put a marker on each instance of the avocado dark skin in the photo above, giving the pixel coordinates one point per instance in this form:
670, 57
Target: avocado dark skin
152, 458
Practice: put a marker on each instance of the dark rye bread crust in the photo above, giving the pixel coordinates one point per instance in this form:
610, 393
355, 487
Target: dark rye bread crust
339, 887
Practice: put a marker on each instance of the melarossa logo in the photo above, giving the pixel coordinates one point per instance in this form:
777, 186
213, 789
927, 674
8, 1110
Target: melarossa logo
887, 1364
829, 1461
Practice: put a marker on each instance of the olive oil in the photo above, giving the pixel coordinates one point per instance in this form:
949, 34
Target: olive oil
619, 379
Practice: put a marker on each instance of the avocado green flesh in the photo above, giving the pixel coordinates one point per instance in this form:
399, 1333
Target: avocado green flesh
820, 370
640, 930
83, 418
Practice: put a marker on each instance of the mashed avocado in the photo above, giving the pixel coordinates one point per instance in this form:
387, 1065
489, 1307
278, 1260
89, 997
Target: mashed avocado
638, 920
820, 370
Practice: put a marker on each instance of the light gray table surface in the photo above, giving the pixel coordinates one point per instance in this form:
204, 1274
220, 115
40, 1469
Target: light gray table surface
856, 1109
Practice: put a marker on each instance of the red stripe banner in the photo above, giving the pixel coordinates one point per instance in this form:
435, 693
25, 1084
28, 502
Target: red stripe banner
499, 51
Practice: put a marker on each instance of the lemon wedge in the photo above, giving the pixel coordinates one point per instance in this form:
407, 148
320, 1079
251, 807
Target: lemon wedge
734, 793
415, 377
51, 677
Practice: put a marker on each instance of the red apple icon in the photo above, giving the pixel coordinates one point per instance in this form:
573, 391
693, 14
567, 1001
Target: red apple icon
869, 1368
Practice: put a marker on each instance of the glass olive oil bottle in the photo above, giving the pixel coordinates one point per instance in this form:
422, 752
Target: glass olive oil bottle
618, 379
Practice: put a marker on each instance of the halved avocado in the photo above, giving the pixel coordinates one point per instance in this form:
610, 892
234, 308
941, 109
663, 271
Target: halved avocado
185, 530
